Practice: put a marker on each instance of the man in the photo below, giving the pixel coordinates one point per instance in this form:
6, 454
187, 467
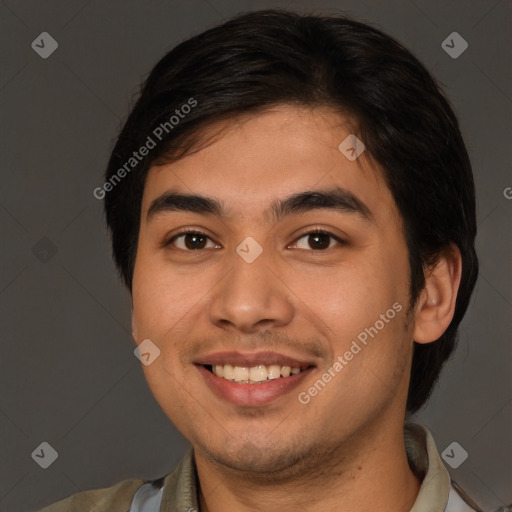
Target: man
293, 211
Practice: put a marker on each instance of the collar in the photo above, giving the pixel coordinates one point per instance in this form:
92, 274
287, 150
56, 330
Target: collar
426, 463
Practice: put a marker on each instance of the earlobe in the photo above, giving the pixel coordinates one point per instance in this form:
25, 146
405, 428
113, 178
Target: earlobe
134, 325
134, 329
436, 305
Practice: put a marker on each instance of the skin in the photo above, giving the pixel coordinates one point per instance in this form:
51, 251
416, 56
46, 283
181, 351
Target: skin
343, 450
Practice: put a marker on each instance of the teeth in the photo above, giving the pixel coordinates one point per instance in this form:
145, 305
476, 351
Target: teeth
227, 371
254, 374
285, 371
273, 371
258, 373
240, 373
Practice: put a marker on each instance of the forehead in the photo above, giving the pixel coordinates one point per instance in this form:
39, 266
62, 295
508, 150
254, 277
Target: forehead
254, 159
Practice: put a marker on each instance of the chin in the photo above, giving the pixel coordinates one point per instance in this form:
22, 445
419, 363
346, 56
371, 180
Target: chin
247, 456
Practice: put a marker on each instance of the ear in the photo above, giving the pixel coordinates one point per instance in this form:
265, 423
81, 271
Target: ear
134, 327
436, 304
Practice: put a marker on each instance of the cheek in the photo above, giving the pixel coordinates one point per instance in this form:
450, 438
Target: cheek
348, 297
349, 303
163, 299
166, 385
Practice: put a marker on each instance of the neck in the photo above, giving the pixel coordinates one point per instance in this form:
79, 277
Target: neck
370, 472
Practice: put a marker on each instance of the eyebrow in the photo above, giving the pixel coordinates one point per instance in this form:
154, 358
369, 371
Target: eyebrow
336, 199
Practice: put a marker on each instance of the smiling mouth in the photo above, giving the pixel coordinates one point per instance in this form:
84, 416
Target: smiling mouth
259, 374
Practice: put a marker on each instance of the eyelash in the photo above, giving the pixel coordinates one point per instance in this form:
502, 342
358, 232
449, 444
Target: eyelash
192, 231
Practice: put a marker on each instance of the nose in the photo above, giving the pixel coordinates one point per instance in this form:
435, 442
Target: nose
251, 298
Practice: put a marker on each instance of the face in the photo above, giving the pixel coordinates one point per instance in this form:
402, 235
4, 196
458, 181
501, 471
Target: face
291, 256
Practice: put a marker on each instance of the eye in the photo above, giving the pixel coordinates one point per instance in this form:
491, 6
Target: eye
192, 241
317, 240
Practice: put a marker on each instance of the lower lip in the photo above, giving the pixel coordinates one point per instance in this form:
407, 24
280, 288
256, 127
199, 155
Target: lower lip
251, 395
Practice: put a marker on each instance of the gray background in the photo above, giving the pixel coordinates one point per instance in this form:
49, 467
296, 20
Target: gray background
68, 375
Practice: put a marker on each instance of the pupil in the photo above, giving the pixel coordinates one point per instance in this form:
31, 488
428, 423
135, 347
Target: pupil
194, 241
320, 241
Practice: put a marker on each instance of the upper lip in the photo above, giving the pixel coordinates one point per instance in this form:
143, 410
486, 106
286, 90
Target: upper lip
264, 358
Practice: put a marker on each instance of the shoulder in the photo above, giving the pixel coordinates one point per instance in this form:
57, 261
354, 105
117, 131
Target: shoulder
117, 498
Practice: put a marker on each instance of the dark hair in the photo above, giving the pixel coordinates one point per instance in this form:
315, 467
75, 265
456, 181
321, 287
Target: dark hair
267, 58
